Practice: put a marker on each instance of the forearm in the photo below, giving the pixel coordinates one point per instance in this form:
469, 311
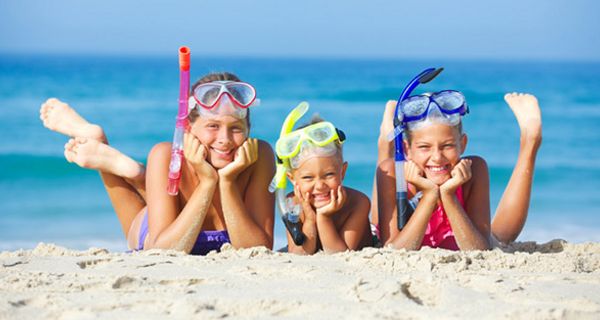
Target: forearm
182, 233
411, 236
467, 236
328, 234
309, 246
243, 231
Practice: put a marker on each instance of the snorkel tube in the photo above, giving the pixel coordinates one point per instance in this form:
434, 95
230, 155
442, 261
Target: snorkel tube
181, 122
290, 213
405, 210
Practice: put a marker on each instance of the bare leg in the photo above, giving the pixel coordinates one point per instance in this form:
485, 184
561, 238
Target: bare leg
122, 176
511, 213
60, 117
385, 150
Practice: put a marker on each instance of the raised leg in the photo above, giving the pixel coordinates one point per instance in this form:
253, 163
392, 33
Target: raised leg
60, 117
512, 210
385, 150
123, 177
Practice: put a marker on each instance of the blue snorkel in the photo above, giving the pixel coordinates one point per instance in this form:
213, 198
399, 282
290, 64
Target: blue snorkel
405, 210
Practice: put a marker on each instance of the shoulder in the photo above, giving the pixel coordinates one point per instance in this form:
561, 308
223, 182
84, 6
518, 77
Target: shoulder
160, 150
480, 177
358, 201
266, 157
478, 164
265, 150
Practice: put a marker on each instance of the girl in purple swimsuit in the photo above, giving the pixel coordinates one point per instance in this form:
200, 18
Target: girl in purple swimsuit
451, 193
223, 193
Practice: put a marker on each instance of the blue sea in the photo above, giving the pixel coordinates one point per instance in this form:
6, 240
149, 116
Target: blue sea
45, 199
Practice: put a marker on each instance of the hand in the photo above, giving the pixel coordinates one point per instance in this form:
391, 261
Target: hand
338, 197
307, 209
415, 176
461, 173
244, 157
195, 153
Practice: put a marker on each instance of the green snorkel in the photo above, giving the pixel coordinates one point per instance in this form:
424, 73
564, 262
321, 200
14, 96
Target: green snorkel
290, 212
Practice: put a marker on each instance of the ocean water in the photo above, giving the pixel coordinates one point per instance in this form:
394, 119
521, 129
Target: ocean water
45, 199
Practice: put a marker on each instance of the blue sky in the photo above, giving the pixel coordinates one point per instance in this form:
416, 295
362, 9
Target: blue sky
509, 30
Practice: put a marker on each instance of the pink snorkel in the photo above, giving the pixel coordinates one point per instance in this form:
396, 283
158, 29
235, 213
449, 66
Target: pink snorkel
182, 122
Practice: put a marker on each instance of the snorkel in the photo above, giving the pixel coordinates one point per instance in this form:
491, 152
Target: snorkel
290, 213
181, 122
405, 210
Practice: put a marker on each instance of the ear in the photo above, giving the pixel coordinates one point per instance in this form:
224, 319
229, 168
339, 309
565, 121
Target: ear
290, 176
406, 148
463, 143
344, 167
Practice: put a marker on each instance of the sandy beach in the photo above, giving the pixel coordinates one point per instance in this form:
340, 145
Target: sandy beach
555, 280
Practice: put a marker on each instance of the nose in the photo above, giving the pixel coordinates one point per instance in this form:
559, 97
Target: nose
320, 185
436, 154
224, 136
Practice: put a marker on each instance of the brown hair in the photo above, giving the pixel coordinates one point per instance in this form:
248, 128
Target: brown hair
214, 76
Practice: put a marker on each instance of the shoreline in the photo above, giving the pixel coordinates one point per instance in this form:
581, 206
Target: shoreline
524, 280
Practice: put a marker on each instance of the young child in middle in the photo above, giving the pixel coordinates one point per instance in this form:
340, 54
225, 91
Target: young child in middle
332, 217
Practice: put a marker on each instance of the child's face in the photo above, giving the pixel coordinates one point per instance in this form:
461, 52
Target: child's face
222, 135
436, 149
318, 176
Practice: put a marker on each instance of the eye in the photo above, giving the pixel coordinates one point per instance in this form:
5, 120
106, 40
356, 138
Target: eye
237, 129
306, 177
212, 126
449, 146
330, 174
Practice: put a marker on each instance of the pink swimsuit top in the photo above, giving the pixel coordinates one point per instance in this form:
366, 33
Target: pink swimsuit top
439, 232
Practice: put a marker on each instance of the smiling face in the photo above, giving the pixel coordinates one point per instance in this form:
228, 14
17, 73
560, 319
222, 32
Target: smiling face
317, 176
436, 149
222, 135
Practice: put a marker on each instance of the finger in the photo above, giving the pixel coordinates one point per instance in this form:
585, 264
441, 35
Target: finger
333, 196
341, 196
298, 193
202, 152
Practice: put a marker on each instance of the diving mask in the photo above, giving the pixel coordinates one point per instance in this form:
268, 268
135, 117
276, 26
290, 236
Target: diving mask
444, 107
320, 134
223, 98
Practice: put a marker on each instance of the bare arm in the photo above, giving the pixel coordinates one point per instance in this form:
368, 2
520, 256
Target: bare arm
168, 227
249, 217
356, 231
411, 236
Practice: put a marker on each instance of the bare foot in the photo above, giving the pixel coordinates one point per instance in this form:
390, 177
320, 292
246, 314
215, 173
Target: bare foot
92, 154
386, 147
60, 117
527, 111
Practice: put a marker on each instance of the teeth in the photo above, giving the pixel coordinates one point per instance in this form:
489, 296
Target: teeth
437, 169
221, 152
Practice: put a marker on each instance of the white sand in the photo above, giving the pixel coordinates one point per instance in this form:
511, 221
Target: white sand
556, 280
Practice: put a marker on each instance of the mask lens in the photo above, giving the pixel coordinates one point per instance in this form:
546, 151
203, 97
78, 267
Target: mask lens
242, 93
449, 100
287, 146
207, 94
320, 134
414, 106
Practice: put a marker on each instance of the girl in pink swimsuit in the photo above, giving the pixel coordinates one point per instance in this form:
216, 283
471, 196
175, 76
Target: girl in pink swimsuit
453, 205
223, 194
